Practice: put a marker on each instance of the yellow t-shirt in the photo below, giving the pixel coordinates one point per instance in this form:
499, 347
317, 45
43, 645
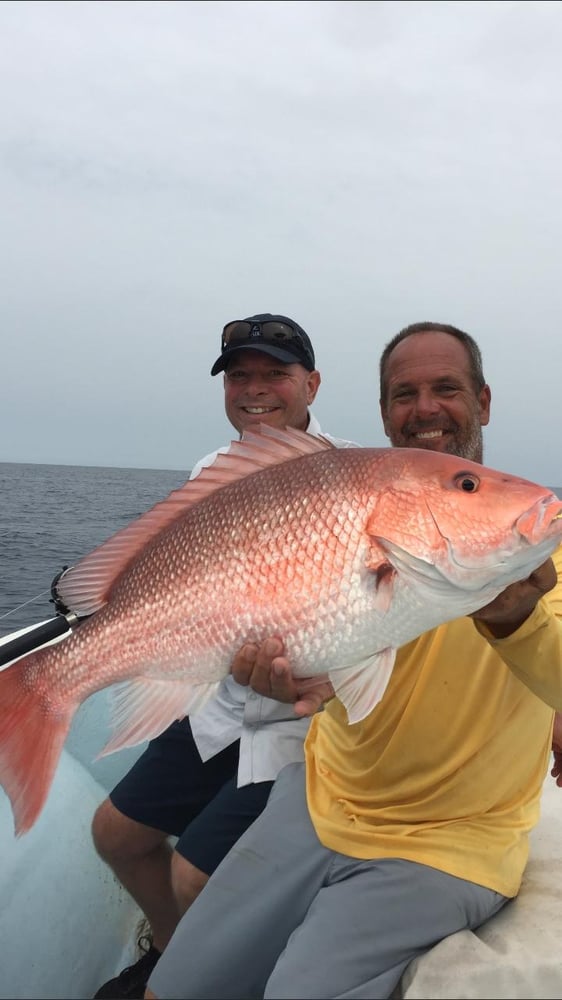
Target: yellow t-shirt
448, 769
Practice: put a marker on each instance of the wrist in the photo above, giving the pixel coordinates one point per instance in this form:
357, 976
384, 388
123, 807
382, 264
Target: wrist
503, 629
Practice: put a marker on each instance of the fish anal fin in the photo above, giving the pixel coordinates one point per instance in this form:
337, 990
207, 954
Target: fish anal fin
143, 708
361, 687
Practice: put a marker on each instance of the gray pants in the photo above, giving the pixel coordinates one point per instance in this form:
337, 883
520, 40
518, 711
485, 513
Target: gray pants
284, 917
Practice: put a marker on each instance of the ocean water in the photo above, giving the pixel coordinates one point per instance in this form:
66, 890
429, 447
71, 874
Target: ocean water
52, 515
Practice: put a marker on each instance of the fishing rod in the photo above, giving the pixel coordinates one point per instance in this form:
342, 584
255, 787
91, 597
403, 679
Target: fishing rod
64, 621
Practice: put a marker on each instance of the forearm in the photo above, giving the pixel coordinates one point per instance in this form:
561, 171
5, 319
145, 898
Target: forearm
534, 652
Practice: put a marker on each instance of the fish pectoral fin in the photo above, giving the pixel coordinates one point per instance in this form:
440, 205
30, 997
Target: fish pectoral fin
143, 708
361, 687
383, 576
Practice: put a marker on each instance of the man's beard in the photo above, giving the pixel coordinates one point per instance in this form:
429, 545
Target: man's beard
463, 442
469, 445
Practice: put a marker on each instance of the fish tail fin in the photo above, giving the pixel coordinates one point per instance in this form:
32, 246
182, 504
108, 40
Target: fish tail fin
32, 735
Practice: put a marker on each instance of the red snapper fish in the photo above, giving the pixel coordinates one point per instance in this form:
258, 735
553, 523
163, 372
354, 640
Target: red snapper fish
345, 553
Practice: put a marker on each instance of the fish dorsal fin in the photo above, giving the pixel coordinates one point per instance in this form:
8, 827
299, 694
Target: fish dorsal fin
86, 587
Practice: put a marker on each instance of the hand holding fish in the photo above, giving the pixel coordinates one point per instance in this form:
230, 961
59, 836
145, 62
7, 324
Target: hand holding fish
266, 669
513, 606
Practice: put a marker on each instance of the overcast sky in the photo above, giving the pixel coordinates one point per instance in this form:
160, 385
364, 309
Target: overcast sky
167, 167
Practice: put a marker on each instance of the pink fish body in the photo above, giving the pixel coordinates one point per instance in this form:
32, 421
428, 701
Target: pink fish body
346, 553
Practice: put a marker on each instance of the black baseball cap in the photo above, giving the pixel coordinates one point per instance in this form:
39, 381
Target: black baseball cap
278, 336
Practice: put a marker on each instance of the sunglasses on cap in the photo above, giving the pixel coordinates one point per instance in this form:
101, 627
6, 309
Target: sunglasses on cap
271, 331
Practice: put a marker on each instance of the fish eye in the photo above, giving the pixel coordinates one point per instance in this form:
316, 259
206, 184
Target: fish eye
467, 482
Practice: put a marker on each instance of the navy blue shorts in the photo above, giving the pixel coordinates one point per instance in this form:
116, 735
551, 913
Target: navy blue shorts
170, 788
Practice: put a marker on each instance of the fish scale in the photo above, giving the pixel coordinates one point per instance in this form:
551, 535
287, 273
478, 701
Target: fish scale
345, 553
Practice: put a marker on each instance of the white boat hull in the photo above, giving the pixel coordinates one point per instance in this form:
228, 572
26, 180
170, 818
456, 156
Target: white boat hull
66, 925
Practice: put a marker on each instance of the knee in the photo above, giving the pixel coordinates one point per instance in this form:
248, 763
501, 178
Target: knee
123, 842
104, 829
112, 833
187, 881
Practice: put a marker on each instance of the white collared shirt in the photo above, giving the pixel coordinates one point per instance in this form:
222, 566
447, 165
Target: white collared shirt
270, 735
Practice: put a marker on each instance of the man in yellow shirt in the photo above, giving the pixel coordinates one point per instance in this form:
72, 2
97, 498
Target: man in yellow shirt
412, 824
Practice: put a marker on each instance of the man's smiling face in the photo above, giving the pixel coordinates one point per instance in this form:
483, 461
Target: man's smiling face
260, 389
431, 400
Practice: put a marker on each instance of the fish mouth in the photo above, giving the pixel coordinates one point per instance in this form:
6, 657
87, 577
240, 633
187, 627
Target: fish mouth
542, 520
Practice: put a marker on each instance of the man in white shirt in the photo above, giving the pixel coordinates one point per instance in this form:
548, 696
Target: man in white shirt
206, 779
